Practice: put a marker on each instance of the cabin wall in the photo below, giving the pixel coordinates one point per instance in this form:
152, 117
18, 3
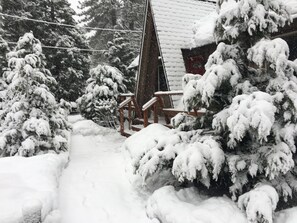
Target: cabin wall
148, 70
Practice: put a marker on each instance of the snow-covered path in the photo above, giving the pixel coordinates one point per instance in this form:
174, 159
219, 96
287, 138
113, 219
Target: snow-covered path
94, 187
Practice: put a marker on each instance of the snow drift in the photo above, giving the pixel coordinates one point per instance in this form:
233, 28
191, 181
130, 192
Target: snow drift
29, 185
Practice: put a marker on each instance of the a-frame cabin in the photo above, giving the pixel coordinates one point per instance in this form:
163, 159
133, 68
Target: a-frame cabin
167, 29
168, 53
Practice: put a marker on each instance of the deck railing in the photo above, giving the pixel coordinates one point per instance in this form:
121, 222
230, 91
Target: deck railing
128, 103
155, 106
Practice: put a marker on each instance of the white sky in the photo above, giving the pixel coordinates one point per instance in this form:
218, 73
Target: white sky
74, 4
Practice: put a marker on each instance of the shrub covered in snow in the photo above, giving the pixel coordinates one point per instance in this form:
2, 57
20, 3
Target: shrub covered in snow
99, 102
246, 140
31, 120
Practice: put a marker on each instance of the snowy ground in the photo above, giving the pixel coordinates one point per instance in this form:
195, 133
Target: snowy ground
28, 181
94, 187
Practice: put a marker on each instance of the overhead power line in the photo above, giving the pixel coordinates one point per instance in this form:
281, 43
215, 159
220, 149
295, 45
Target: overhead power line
68, 25
63, 48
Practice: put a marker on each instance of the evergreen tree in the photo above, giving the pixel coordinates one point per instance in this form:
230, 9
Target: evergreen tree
3, 46
103, 14
120, 55
99, 103
3, 52
246, 140
69, 67
31, 120
119, 14
133, 14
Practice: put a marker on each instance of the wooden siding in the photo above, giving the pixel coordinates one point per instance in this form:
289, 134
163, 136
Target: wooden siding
148, 70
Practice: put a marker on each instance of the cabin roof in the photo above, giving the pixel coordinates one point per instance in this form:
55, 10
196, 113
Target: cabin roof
134, 63
174, 20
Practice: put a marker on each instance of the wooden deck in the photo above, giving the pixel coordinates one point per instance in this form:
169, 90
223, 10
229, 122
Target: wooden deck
132, 118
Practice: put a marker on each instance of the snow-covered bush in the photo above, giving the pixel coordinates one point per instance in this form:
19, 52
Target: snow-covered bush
31, 120
189, 155
258, 203
247, 136
99, 102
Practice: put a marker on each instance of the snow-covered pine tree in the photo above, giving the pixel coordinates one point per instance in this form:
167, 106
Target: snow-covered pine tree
119, 14
31, 121
105, 14
120, 55
132, 18
99, 102
132, 13
66, 65
3, 52
246, 140
69, 67
3, 46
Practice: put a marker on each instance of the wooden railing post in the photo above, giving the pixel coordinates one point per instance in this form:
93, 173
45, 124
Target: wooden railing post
161, 101
137, 109
156, 113
125, 104
129, 114
145, 118
122, 122
146, 107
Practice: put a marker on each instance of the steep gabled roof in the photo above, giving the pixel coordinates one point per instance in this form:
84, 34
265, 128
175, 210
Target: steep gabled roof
174, 20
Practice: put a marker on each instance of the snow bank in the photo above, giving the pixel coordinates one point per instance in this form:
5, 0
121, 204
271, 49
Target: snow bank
286, 216
187, 206
168, 205
88, 127
29, 185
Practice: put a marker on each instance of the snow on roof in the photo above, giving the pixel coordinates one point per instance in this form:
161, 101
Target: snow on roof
292, 6
203, 29
134, 63
174, 20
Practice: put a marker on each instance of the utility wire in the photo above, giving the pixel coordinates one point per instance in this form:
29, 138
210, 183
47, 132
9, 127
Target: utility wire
62, 48
67, 25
